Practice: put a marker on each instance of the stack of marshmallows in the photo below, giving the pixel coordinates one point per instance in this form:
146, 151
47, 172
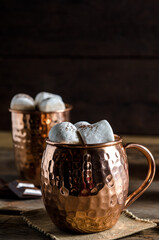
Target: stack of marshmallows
82, 133
44, 102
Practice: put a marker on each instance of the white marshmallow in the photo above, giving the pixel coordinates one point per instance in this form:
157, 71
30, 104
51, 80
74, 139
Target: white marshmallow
81, 123
43, 95
65, 132
99, 132
51, 105
22, 101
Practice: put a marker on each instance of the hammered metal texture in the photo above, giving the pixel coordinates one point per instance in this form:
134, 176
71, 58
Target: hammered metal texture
29, 131
84, 189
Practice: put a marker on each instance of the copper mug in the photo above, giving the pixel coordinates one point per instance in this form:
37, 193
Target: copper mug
29, 131
85, 188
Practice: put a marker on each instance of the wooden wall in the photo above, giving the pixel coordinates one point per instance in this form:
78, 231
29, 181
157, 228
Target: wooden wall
101, 56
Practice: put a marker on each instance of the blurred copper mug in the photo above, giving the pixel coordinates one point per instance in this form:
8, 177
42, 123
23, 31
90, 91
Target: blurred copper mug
85, 188
29, 131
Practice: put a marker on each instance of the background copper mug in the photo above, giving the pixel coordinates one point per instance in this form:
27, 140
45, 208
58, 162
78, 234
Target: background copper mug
29, 131
85, 188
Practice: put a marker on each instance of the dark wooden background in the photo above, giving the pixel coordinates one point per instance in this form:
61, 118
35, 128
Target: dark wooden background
101, 56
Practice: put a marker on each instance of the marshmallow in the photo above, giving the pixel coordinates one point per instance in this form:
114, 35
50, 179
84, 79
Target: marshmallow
43, 95
99, 132
51, 105
22, 101
81, 123
65, 132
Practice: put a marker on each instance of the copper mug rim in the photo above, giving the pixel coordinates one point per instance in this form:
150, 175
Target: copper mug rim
117, 140
68, 108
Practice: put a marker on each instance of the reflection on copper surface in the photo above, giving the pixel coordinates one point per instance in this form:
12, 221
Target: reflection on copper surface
85, 187
29, 130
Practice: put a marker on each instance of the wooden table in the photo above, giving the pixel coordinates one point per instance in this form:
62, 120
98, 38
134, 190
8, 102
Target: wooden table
147, 206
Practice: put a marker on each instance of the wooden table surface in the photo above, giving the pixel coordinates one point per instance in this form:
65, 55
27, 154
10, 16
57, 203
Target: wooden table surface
147, 206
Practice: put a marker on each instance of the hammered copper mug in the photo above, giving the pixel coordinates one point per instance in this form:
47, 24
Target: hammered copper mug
85, 188
29, 131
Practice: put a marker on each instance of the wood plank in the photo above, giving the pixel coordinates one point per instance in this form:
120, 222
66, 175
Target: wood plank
12, 205
145, 207
9, 230
14, 228
136, 160
147, 140
80, 28
142, 207
8, 171
137, 164
6, 139
124, 92
146, 234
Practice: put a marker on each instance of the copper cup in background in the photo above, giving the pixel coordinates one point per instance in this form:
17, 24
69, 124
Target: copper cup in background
29, 131
85, 188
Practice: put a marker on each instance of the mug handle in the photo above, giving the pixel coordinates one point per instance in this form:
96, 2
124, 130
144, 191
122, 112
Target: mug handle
150, 175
